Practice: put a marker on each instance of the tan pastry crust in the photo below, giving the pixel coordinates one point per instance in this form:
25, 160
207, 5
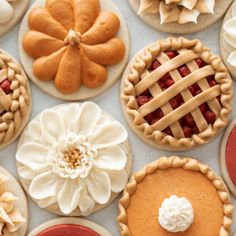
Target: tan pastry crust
14, 187
224, 170
132, 76
70, 220
54, 208
114, 71
225, 48
176, 162
17, 116
204, 20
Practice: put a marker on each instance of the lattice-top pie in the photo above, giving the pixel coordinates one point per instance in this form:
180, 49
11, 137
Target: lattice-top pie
176, 94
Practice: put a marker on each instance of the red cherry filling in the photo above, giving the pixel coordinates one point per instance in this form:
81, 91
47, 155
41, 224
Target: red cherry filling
187, 122
6, 86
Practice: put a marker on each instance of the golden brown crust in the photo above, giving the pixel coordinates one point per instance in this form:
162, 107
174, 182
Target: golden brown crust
176, 162
132, 78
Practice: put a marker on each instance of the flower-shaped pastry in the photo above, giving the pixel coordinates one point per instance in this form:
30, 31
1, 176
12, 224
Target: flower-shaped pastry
72, 42
73, 156
10, 217
181, 11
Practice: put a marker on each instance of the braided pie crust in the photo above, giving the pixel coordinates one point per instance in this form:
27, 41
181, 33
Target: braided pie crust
138, 79
15, 106
188, 164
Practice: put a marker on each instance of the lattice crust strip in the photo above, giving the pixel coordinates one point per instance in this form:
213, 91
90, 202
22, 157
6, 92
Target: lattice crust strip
140, 79
14, 107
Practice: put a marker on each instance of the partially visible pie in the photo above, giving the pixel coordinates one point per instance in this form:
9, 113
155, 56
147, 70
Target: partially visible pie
176, 94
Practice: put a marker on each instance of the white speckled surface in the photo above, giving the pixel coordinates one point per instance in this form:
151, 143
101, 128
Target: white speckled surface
141, 35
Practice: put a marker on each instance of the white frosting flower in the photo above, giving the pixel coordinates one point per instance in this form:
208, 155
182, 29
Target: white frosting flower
6, 11
181, 11
74, 156
176, 214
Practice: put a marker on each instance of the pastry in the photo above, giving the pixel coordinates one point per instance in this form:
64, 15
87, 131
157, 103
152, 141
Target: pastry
179, 16
181, 196
13, 206
10, 13
81, 54
15, 99
69, 226
228, 157
228, 39
176, 95
73, 159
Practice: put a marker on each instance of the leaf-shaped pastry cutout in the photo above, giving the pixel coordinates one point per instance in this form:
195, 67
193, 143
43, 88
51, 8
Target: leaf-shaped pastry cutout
104, 28
68, 77
149, 6
62, 11
85, 13
168, 13
45, 68
188, 4
41, 20
108, 53
93, 74
205, 6
37, 44
188, 16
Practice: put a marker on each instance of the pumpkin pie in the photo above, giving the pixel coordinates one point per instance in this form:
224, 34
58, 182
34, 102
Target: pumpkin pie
15, 99
181, 196
81, 54
176, 94
178, 16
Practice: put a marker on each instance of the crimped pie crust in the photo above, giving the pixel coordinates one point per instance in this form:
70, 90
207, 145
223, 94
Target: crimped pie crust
176, 162
17, 103
131, 85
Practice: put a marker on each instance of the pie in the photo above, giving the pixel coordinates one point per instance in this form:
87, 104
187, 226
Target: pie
74, 159
82, 43
228, 157
15, 100
181, 196
176, 94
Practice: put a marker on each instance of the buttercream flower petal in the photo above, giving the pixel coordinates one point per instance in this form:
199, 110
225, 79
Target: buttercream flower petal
33, 155
44, 185
34, 131
87, 118
229, 31
118, 180
108, 135
99, 186
232, 59
43, 203
113, 158
26, 173
69, 196
86, 203
52, 126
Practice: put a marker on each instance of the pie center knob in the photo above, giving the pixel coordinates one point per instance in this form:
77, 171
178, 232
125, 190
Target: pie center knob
73, 38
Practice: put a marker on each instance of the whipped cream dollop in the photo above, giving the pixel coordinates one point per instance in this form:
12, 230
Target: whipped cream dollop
73, 156
6, 11
181, 11
176, 214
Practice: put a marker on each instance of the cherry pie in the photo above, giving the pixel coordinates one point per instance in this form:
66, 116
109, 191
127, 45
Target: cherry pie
176, 94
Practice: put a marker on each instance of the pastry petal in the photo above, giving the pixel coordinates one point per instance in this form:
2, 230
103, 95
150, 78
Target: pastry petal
45, 185
108, 135
40, 20
104, 28
37, 44
7, 201
62, 12
99, 186
93, 74
189, 4
188, 16
232, 59
112, 158
17, 220
52, 126
86, 203
6, 11
45, 68
33, 155
4, 216
85, 12
149, 6
205, 6
118, 180
68, 77
108, 53
69, 196
168, 13
87, 118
